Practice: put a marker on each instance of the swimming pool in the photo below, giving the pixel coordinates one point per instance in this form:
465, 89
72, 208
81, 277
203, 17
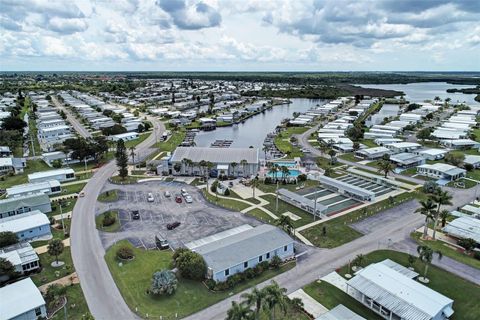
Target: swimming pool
293, 173
287, 164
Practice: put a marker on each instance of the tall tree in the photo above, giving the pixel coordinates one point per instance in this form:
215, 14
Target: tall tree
233, 165
275, 297
385, 167
55, 248
239, 311
122, 159
425, 254
285, 223
255, 298
427, 208
441, 198
244, 164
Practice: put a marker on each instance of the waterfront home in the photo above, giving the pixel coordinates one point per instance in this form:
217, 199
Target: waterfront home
20, 205
243, 250
22, 257
187, 160
441, 171
62, 175
389, 290
32, 304
27, 226
49, 187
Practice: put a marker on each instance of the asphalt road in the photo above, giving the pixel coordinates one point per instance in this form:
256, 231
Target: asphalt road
81, 130
102, 295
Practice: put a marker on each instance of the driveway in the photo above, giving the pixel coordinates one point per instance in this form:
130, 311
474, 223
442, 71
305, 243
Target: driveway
198, 219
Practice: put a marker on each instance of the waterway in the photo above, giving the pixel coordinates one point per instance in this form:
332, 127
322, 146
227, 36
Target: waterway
421, 91
254, 130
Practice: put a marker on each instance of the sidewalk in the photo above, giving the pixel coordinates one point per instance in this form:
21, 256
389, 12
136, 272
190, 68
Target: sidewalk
310, 305
43, 249
67, 280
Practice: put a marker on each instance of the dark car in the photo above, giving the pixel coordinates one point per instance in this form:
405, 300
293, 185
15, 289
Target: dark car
173, 225
135, 215
178, 199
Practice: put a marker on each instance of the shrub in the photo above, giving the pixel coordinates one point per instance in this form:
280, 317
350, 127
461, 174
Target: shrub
191, 265
125, 253
468, 166
302, 177
177, 253
249, 273
476, 255
264, 264
275, 262
163, 282
468, 244
267, 180
220, 286
213, 188
210, 284
108, 219
7, 238
227, 192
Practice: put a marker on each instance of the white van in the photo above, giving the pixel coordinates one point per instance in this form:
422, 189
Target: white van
150, 197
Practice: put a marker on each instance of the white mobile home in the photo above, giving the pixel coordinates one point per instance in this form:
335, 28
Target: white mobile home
22, 300
49, 187
61, 175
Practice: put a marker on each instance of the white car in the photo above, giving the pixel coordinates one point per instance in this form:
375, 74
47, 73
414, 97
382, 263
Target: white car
150, 197
188, 199
184, 192
167, 194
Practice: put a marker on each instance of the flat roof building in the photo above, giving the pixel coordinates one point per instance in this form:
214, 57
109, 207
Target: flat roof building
302, 202
48, 187
441, 171
464, 228
22, 300
340, 312
61, 175
372, 153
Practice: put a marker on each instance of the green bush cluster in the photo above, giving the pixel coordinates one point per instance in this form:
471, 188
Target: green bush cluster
125, 253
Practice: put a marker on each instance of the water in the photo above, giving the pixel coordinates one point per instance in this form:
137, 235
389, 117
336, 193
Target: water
293, 173
254, 130
421, 91
387, 110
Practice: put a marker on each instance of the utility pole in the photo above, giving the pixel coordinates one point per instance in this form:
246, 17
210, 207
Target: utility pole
315, 208
61, 215
276, 200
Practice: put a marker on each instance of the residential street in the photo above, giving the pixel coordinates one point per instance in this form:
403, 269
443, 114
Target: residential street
102, 295
81, 130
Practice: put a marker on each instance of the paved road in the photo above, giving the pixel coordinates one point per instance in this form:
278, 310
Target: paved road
102, 295
72, 119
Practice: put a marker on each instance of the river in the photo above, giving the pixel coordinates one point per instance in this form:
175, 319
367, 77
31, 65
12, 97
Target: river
254, 130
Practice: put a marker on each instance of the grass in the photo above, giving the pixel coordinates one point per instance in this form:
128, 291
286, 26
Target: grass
464, 293
133, 279
49, 273
32, 166
136, 142
172, 143
272, 187
253, 200
108, 196
73, 188
66, 207
226, 203
447, 250
339, 232
350, 157
468, 183
126, 180
330, 297
260, 215
283, 207
76, 305
112, 228
474, 174
369, 143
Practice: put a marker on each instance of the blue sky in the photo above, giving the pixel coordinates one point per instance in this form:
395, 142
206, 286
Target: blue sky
240, 35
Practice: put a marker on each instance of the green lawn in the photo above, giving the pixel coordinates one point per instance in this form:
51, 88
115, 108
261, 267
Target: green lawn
32, 166
108, 196
172, 143
474, 174
284, 207
136, 142
465, 294
447, 251
73, 188
66, 207
467, 183
339, 232
350, 157
76, 305
126, 180
112, 228
369, 143
261, 215
330, 297
226, 203
133, 279
50, 273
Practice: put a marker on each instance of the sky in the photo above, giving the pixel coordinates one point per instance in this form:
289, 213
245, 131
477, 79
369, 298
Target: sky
239, 35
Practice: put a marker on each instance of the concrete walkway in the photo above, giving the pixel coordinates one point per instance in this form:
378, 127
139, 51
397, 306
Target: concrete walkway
310, 305
43, 249
65, 281
336, 280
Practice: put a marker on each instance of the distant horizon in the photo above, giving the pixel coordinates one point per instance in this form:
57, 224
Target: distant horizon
243, 71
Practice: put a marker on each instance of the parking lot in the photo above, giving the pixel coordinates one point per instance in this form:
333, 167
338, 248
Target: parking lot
197, 219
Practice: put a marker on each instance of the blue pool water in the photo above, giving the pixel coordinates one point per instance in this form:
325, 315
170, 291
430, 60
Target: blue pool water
293, 173
285, 163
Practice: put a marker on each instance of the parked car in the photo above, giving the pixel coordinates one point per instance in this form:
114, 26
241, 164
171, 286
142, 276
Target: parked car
81, 194
188, 198
173, 225
230, 184
161, 242
167, 194
135, 215
150, 197
183, 192
178, 199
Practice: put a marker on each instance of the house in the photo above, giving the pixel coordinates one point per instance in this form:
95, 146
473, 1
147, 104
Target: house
60, 175
5, 152
406, 160
124, 136
15, 165
340, 312
22, 300
441, 171
464, 228
49, 187
372, 153
431, 154
461, 144
237, 252
50, 157
390, 291
22, 256
400, 147
473, 160
27, 226
221, 158
19, 205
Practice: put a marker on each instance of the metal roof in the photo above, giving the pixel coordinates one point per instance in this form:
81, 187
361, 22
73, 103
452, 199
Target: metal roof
43, 186
216, 155
19, 297
49, 173
405, 297
24, 221
302, 200
340, 312
244, 246
19, 253
346, 186
464, 227
399, 268
12, 204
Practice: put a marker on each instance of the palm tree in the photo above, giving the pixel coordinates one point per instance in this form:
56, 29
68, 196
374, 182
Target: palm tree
239, 311
285, 223
202, 165
275, 296
285, 171
254, 185
441, 197
427, 209
323, 148
244, 164
233, 165
444, 214
132, 153
209, 166
425, 254
265, 149
385, 167
296, 303
255, 298
273, 171
332, 154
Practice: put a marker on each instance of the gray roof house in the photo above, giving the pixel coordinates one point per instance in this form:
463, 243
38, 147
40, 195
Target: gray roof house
240, 251
14, 206
22, 256
22, 300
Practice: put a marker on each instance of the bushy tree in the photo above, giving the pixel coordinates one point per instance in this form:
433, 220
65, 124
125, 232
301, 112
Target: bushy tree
57, 163
108, 219
191, 265
7, 238
13, 123
430, 187
454, 158
7, 271
55, 248
164, 282
468, 244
